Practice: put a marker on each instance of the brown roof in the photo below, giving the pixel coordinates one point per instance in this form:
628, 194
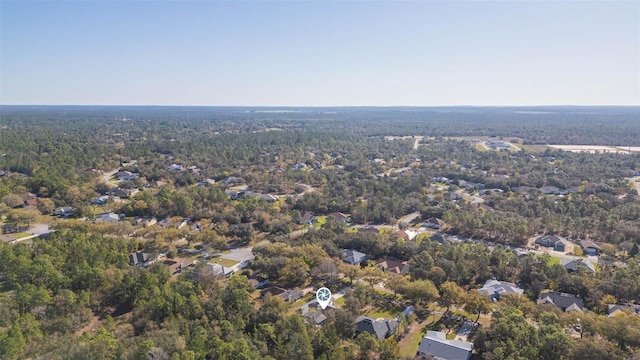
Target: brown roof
392, 265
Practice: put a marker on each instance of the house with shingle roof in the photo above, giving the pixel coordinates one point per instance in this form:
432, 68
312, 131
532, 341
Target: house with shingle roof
353, 257
380, 328
436, 345
494, 288
577, 264
552, 241
566, 302
393, 266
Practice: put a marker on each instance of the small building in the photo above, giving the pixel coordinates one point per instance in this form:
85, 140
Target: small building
307, 218
550, 190
613, 310
433, 223
220, 270
566, 302
176, 167
552, 241
64, 212
494, 289
393, 266
108, 217
436, 345
590, 247
406, 234
258, 282
338, 216
141, 259
206, 182
126, 175
380, 328
353, 257
576, 265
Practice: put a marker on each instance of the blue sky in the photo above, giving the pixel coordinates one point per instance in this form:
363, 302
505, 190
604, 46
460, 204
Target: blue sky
320, 53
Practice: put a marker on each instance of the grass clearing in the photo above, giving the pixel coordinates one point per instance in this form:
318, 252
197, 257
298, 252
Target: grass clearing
20, 235
321, 221
339, 301
224, 262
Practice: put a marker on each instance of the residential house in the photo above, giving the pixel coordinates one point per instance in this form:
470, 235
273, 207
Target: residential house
307, 218
549, 190
124, 193
436, 345
440, 237
30, 199
284, 294
126, 175
552, 241
108, 217
300, 166
353, 257
590, 247
313, 312
101, 200
206, 182
219, 270
577, 265
407, 234
369, 230
393, 266
176, 167
380, 328
157, 183
175, 266
146, 221
141, 259
613, 310
338, 216
64, 212
433, 223
494, 289
268, 198
258, 282
566, 302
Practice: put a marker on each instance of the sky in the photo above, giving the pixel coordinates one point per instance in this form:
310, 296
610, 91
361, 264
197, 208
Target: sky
320, 53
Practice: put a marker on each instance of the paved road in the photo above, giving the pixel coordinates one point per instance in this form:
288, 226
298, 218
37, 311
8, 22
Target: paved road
107, 176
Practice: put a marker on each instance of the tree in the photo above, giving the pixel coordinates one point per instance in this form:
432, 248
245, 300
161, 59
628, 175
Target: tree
46, 206
294, 273
420, 292
452, 294
13, 200
396, 283
476, 303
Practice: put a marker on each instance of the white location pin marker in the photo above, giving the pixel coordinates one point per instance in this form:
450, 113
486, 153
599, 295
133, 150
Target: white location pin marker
323, 295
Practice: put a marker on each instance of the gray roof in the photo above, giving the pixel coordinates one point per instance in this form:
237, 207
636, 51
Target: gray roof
353, 257
381, 328
495, 288
576, 264
561, 300
437, 345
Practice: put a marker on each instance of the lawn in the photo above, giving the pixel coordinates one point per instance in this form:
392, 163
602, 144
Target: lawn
224, 262
321, 221
339, 302
409, 344
387, 311
20, 235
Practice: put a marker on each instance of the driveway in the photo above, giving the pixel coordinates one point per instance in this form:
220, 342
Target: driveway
240, 255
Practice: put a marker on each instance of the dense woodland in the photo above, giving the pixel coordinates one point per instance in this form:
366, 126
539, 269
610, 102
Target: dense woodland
74, 294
